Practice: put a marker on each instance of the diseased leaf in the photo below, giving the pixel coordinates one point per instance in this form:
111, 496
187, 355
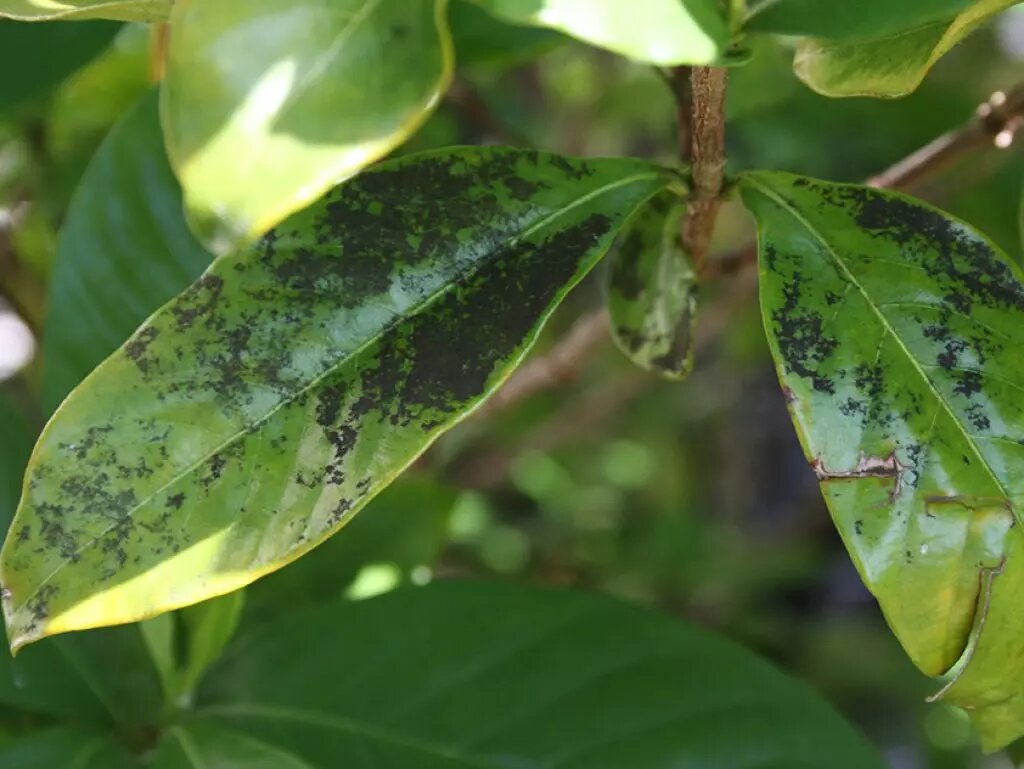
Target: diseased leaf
665, 32
119, 10
252, 416
845, 20
269, 103
584, 682
652, 291
36, 57
66, 747
897, 333
123, 251
892, 65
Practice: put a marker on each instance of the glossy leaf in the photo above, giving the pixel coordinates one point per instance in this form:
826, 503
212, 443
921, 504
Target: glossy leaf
123, 251
252, 416
583, 682
897, 333
845, 20
66, 748
119, 10
269, 103
662, 32
43, 55
652, 291
892, 65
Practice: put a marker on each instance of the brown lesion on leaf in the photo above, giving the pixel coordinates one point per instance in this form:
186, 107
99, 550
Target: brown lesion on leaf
866, 467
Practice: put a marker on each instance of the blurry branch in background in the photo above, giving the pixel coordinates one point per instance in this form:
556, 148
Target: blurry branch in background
993, 127
476, 114
159, 44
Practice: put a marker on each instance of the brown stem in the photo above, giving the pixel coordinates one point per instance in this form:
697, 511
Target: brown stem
707, 157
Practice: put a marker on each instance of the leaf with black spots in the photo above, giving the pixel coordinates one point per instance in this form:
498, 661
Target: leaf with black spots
652, 291
897, 333
253, 415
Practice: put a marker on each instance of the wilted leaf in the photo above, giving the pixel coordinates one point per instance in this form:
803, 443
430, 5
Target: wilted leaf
252, 416
888, 66
36, 57
663, 32
897, 333
119, 10
845, 20
486, 675
652, 291
269, 103
123, 251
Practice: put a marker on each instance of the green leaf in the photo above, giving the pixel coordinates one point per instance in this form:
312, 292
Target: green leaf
897, 333
665, 32
845, 20
464, 674
888, 66
119, 10
66, 748
482, 40
404, 527
123, 251
252, 416
15, 446
269, 103
44, 54
209, 627
652, 291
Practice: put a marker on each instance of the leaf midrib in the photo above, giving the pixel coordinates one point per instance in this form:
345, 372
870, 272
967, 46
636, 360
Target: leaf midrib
886, 325
415, 310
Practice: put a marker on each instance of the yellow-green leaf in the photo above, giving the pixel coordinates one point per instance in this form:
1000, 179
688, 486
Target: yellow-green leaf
888, 66
269, 103
253, 415
120, 10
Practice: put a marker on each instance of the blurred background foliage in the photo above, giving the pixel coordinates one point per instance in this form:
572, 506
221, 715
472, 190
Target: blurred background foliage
692, 498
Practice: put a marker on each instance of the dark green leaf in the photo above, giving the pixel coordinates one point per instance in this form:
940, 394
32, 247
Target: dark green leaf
252, 416
663, 32
15, 445
652, 291
891, 65
66, 749
845, 20
120, 10
124, 250
483, 40
43, 55
496, 676
269, 103
897, 333
405, 526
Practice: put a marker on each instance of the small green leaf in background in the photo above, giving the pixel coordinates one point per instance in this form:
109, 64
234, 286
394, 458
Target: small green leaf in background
464, 674
888, 66
123, 251
36, 57
252, 416
15, 446
119, 10
652, 291
67, 748
269, 103
846, 20
665, 32
897, 333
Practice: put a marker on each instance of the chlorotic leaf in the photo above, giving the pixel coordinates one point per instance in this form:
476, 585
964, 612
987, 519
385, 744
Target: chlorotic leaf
584, 682
652, 291
845, 20
252, 416
269, 103
123, 251
897, 333
119, 10
664, 32
889, 66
